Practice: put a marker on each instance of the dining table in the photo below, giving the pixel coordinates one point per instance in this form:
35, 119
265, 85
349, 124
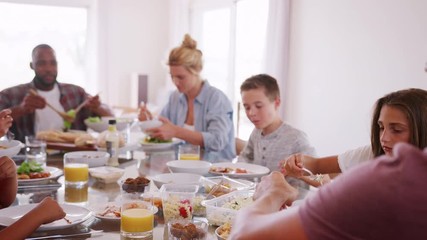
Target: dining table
138, 162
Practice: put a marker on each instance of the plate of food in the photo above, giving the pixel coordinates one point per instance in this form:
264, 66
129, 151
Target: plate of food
111, 211
31, 173
74, 216
238, 170
149, 143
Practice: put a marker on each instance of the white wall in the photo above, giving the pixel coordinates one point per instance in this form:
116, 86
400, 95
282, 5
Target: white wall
344, 56
133, 38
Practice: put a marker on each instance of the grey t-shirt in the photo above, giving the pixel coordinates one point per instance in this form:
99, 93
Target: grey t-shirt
269, 150
381, 199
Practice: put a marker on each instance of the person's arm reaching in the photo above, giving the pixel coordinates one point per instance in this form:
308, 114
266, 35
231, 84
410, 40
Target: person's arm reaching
5, 121
264, 220
293, 165
28, 105
168, 130
46, 211
8, 181
94, 104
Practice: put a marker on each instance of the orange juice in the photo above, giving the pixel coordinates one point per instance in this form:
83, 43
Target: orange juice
137, 220
76, 172
189, 156
76, 194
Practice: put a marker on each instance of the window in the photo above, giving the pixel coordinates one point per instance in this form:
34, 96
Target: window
232, 36
23, 26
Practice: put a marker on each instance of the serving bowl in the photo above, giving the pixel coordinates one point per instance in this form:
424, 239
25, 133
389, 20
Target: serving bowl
121, 124
189, 166
10, 148
94, 158
177, 178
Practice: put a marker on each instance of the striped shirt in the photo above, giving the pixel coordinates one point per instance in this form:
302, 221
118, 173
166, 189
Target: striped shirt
70, 97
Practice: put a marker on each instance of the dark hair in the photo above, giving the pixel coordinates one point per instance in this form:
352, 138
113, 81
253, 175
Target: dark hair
271, 89
413, 103
33, 53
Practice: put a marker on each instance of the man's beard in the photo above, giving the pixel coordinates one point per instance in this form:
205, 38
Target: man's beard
39, 80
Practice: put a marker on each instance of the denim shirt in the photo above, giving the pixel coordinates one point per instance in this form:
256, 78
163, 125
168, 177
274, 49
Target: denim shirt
213, 117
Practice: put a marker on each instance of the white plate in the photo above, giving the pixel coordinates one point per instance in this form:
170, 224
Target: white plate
253, 170
158, 146
177, 178
100, 209
54, 173
75, 214
11, 148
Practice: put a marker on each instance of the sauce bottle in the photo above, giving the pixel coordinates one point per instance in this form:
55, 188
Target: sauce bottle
112, 141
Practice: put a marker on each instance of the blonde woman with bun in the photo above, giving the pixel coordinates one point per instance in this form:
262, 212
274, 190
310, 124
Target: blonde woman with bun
196, 112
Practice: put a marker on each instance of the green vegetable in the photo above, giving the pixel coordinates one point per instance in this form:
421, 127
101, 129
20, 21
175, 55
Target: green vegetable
29, 167
71, 113
94, 119
149, 139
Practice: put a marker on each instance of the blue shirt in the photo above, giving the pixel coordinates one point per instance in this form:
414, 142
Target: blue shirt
213, 117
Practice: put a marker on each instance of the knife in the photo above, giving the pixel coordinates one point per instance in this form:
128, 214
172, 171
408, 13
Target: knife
87, 234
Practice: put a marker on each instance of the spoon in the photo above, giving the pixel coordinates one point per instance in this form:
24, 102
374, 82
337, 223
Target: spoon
64, 115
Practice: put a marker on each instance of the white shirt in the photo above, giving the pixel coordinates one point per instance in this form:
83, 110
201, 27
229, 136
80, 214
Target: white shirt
46, 118
354, 157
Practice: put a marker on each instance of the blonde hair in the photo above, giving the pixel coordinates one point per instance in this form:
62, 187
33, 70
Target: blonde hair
187, 55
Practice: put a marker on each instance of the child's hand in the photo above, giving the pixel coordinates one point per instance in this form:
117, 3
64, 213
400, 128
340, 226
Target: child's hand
7, 168
292, 166
49, 210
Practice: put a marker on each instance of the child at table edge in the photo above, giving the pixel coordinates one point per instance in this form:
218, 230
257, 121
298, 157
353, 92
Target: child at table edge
48, 210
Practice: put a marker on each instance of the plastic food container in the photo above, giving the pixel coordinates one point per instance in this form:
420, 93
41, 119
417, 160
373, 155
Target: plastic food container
222, 185
187, 229
178, 200
224, 208
106, 174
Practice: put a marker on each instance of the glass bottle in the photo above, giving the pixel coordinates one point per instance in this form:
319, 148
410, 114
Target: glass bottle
112, 141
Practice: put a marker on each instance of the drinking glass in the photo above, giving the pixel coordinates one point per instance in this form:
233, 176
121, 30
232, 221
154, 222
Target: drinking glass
76, 170
76, 194
137, 215
35, 150
189, 152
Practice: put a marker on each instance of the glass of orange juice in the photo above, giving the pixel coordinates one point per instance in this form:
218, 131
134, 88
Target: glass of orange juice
76, 195
137, 216
189, 152
76, 170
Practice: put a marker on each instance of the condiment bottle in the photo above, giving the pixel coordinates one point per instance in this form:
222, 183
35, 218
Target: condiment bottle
112, 141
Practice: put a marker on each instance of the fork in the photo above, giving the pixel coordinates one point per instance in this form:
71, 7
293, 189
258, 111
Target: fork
314, 177
147, 116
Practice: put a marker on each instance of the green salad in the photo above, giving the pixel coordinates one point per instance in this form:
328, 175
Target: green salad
149, 139
94, 119
29, 167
